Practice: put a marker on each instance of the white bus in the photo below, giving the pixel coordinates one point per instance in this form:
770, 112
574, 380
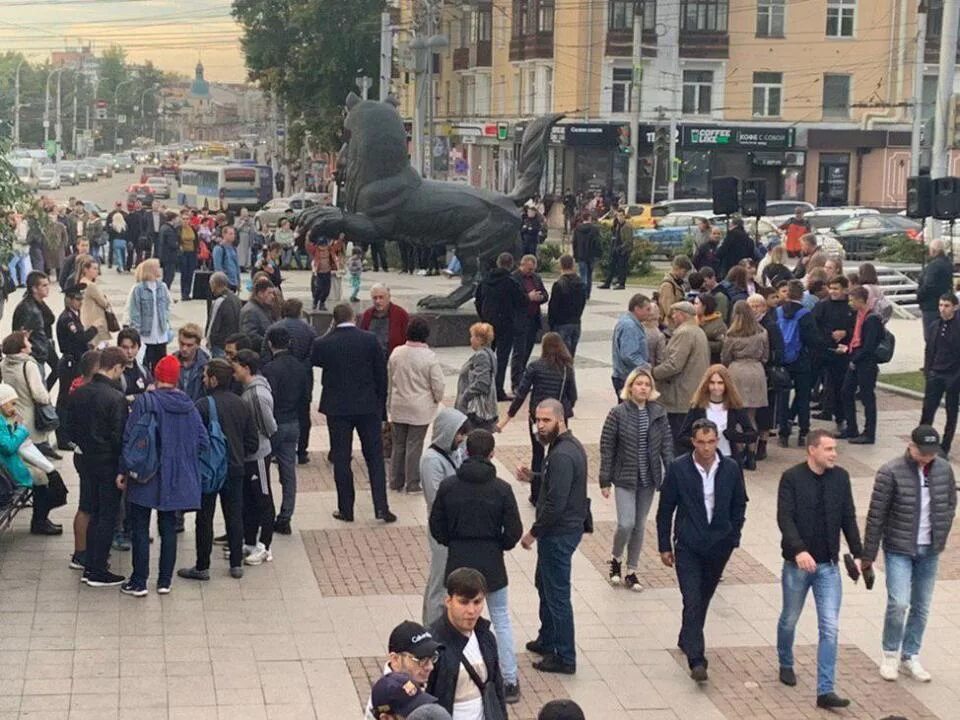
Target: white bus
218, 186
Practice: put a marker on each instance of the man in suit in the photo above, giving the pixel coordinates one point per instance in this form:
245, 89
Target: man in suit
354, 397
706, 492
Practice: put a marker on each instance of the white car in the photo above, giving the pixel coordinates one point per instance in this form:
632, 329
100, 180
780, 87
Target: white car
49, 179
161, 188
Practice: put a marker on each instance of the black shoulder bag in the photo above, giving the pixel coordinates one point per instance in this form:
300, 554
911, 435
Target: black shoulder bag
492, 709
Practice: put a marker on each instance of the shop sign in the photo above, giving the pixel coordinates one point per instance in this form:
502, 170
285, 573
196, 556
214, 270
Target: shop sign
490, 130
591, 135
465, 131
704, 136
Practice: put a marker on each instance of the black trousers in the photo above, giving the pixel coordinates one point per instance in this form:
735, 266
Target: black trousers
66, 372
378, 255
801, 380
936, 387
154, 354
231, 504
861, 381
617, 268
169, 272
698, 576
320, 288
258, 507
341, 429
303, 417
524, 338
503, 344
830, 399
104, 506
536, 462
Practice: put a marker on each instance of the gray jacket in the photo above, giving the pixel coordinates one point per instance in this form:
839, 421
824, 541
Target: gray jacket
894, 515
477, 386
259, 398
441, 459
619, 441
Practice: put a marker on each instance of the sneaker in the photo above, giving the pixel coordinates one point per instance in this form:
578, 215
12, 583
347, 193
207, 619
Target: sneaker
236, 572
890, 666
511, 692
269, 556
103, 579
163, 589
77, 561
220, 539
193, 573
912, 668
121, 542
257, 556
831, 700
631, 583
128, 588
614, 576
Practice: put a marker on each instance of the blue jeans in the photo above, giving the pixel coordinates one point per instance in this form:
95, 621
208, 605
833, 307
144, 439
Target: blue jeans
120, 253
284, 445
554, 554
910, 582
571, 336
585, 268
827, 593
140, 544
188, 266
19, 268
499, 608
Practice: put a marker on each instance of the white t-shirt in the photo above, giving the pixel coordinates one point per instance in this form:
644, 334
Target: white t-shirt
924, 535
717, 414
708, 476
467, 701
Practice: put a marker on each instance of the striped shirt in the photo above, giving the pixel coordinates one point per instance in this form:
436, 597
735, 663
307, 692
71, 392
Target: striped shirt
642, 418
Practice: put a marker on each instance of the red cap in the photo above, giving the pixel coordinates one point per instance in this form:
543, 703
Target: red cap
167, 370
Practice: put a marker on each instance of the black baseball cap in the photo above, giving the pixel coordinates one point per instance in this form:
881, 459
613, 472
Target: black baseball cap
926, 439
413, 638
398, 694
75, 292
561, 710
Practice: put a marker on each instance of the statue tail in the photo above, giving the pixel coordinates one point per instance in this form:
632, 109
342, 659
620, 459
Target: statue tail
533, 156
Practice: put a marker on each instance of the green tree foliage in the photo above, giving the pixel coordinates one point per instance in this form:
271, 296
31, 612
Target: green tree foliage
14, 197
308, 53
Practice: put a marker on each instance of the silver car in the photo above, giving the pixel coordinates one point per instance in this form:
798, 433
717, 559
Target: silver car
49, 179
271, 213
68, 173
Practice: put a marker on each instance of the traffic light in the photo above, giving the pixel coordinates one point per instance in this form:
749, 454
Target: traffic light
623, 139
661, 141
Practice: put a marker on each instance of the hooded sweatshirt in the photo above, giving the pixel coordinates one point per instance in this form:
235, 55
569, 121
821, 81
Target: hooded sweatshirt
257, 396
441, 459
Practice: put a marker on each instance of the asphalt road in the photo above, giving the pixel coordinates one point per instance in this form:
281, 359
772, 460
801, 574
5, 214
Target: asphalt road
105, 192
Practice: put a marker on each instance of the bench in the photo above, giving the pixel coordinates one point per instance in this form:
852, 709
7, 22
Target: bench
12, 503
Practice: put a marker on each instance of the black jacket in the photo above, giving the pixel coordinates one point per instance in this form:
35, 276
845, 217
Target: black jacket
227, 320
68, 272
98, 411
830, 315
541, 381
475, 515
801, 526
236, 421
530, 307
72, 338
568, 296
936, 279
870, 335
37, 318
354, 372
682, 493
706, 256
562, 504
442, 683
736, 246
288, 382
302, 336
739, 428
168, 244
586, 242
498, 299
942, 355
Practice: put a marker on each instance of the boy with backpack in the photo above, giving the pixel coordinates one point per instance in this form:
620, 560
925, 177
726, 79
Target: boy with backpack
800, 340
160, 468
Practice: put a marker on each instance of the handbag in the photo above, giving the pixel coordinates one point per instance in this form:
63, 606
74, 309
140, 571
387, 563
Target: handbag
492, 709
45, 416
56, 490
113, 325
779, 377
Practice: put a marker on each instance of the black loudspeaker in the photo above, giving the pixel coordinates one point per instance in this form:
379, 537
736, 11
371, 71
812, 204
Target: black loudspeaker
753, 203
946, 198
726, 196
919, 197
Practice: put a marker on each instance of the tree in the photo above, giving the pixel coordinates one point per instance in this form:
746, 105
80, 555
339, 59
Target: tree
14, 198
308, 54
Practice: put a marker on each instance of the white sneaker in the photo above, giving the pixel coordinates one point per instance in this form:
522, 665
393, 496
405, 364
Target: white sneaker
914, 669
889, 665
269, 556
257, 556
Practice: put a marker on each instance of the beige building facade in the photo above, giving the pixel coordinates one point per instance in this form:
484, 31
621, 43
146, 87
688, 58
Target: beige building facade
815, 96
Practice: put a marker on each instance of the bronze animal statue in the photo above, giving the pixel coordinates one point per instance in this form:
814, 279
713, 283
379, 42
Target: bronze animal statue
385, 198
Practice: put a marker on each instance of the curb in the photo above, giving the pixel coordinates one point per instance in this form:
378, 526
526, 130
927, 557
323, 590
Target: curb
897, 390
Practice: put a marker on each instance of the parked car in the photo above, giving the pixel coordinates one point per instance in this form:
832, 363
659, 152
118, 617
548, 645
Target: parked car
48, 179
691, 205
864, 236
638, 216
142, 192
87, 172
161, 188
269, 215
68, 173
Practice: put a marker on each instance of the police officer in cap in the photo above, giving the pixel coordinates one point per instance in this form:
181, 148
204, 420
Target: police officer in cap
74, 341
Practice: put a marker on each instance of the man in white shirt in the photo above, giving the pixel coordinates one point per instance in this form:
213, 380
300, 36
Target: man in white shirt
911, 512
412, 650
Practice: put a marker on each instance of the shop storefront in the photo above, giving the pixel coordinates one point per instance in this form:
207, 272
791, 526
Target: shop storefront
597, 161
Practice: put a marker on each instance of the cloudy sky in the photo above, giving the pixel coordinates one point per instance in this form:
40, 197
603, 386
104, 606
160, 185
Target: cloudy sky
174, 34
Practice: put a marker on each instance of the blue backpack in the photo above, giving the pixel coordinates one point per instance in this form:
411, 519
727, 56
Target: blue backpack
790, 329
213, 460
141, 447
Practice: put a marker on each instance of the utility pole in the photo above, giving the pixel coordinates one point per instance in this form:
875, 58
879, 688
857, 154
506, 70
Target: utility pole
637, 78
16, 105
668, 17
76, 88
386, 55
939, 148
915, 148
59, 124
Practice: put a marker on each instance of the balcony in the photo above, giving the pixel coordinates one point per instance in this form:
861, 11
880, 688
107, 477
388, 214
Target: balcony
620, 43
484, 54
931, 53
704, 44
538, 46
461, 58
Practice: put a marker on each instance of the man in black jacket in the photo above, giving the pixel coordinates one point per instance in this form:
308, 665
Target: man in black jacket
736, 246
861, 377
288, 378
801, 339
34, 315
168, 246
475, 516
568, 297
935, 281
814, 503
466, 640
942, 367
498, 300
354, 397
834, 319
706, 492
528, 319
240, 432
224, 318
562, 512
99, 415
586, 249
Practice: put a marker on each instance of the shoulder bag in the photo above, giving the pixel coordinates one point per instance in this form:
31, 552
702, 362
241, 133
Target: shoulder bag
492, 709
45, 416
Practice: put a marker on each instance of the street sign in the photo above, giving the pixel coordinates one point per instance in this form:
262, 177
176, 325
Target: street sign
101, 113
119, 141
46, 124
121, 119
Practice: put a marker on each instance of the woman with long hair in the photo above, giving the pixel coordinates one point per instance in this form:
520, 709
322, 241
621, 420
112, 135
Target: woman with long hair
876, 301
635, 448
95, 306
746, 350
148, 311
477, 385
718, 400
550, 377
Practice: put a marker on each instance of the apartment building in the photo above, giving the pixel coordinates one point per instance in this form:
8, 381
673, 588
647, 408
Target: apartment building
813, 96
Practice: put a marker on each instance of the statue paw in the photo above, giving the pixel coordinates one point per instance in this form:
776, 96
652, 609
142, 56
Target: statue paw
439, 302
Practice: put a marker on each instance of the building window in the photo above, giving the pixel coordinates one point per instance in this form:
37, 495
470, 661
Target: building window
547, 90
703, 15
482, 94
483, 19
519, 18
770, 18
767, 94
620, 14
836, 96
466, 29
697, 91
621, 99
531, 85
545, 16
840, 17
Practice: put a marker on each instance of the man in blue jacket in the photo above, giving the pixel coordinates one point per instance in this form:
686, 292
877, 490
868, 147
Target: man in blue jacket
629, 345
225, 258
706, 493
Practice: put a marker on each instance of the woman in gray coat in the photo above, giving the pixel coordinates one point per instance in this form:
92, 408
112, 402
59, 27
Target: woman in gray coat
635, 447
746, 350
476, 386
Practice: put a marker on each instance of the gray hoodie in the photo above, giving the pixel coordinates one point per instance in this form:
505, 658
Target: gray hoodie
441, 460
257, 396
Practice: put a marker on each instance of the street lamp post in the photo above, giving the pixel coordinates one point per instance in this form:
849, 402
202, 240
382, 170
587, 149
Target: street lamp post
116, 115
143, 109
16, 105
46, 103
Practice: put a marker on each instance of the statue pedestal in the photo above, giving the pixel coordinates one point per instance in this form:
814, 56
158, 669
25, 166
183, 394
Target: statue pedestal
448, 328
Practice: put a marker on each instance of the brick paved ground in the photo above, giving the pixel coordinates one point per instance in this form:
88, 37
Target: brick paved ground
744, 686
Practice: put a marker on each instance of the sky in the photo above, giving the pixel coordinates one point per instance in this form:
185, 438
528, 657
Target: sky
174, 34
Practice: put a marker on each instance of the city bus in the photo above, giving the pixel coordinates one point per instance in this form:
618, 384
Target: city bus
266, 179
219, 187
